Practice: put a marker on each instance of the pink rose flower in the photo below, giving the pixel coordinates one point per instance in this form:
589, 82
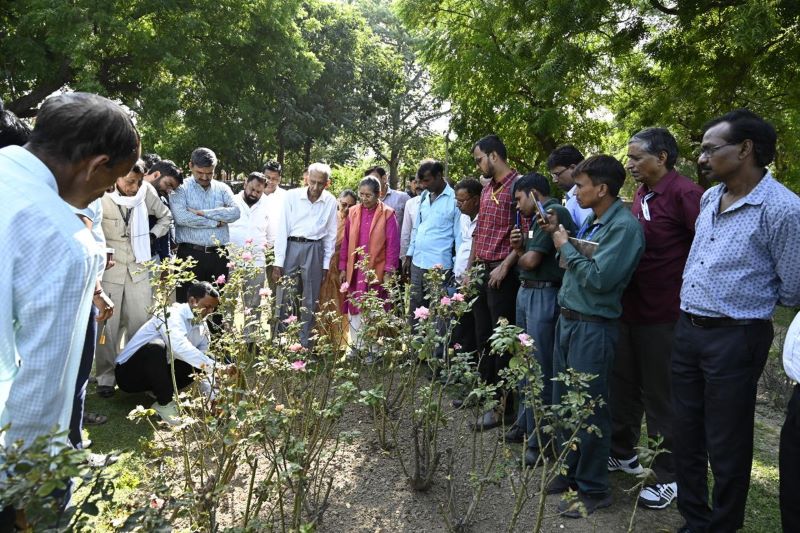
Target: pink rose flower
444, 301
220, 279
344, 286
525, 339
247, 256
291, 319
457, 346
421, 313
264, 291
156, 502
438, 266
457, 297
247, 311
230, 264
248, 241
296, 347
299, 366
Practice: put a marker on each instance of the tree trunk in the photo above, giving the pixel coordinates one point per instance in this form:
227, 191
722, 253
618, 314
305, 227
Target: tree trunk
307, 151
394, 163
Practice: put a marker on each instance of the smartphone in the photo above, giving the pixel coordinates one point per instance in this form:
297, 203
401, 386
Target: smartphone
539, 208
517, 223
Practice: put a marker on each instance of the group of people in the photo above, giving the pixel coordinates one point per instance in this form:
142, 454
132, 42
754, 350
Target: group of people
667, 302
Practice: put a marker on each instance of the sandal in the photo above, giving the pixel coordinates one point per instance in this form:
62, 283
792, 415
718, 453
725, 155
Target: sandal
105, 391
94, 419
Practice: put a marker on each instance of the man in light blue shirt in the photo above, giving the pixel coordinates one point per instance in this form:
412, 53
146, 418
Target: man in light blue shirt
202, 208
561, 162
438, 231
80, 145
744, 260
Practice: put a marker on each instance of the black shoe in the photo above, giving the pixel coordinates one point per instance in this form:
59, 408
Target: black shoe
531, 459
560, 485
515, 435
105, 391
488, 420
457, 404
572, 508
684, 528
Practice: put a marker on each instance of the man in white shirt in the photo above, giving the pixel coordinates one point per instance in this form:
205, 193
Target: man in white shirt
304, 246
560, 163
144, 364
789, 456
410, 220
80, 145
275, 196
468, 200
249, 235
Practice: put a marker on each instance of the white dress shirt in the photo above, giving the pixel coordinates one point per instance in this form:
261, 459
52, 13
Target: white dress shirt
188, 337
301, 218
253, 223
409, 223
275, 207
462, 254
50, 263
571, 203
791, 350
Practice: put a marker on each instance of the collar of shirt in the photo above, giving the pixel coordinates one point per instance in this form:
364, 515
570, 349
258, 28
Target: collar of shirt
304, 196
32, 164
448, 191
754, 197
506, 179
239, 197
663, 184
610, 213
571, 193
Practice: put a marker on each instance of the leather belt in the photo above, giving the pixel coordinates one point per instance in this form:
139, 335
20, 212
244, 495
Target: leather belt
302, 239
537, 284
489, 264
719, 322
206, 249
569, 314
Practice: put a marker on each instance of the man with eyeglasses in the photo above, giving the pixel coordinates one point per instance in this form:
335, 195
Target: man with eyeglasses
744, 260
561, 163
202, 208
666, 205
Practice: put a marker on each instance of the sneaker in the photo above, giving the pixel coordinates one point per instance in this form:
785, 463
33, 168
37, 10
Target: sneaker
658, 496
583, 505
168, 413
629, 466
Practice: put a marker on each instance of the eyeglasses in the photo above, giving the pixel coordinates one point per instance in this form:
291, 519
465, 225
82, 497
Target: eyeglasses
711, 150
479, 159
557, 175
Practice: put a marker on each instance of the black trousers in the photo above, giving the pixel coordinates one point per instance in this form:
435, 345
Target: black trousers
491, 305
790, 465
715, 374
640, 385
149, 370
210, 265
85, 368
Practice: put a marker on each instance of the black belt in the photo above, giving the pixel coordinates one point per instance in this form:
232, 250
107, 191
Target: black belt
569, 314
206, 249
719, 322
537, 284
302, 239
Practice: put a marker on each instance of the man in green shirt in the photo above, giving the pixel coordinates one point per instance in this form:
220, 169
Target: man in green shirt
537, 305
590, 301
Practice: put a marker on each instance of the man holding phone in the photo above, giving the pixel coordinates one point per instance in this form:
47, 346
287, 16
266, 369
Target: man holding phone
537, 298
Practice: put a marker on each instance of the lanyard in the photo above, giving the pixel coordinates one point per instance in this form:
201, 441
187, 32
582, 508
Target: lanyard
645, 209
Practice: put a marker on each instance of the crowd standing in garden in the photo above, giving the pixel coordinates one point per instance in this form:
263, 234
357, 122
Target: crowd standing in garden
668, 303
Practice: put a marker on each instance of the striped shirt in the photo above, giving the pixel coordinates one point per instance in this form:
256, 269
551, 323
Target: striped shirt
50, 263
217, 205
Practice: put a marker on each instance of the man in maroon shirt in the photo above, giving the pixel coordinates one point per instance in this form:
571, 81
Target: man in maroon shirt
666, 205
491, 248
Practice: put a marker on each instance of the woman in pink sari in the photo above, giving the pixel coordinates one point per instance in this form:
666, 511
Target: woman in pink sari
371, 226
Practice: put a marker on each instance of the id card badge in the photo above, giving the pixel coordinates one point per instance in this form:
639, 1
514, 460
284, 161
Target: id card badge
530, 234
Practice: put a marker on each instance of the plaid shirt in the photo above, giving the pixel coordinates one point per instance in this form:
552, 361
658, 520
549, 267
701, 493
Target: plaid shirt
496, 218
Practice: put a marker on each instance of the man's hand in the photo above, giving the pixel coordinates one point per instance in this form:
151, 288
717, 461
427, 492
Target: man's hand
110, 260
196, 212
516, 240
406, 266
560, 236
221, 223
105, 306
497, 275
277, 273
551, 224
342, 277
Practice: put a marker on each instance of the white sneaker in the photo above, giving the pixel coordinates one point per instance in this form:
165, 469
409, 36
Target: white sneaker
658, 496
168, 413
629, 466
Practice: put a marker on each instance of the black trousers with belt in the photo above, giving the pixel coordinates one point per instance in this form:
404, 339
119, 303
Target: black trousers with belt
149, 370
715, 372
210, 264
